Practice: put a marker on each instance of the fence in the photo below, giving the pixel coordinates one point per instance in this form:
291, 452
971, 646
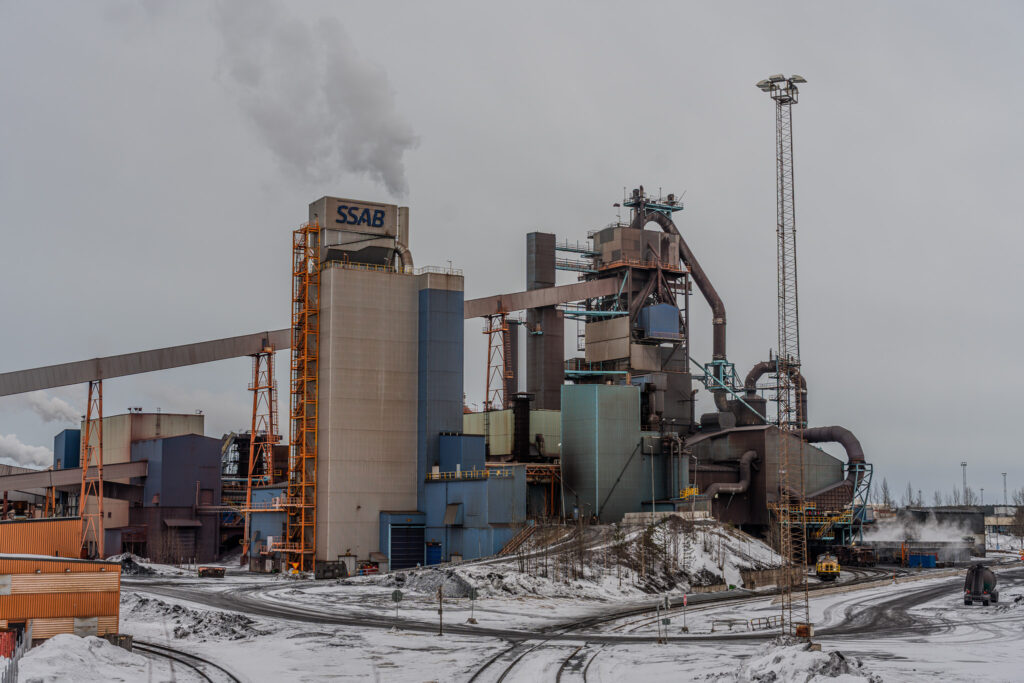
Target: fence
9, 667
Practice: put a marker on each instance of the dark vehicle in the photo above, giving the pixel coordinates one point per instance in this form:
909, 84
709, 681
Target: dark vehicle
856, 556
211, 572
980, 584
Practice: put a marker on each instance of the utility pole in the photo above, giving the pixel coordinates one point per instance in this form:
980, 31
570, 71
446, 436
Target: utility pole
1004, 490
789, 507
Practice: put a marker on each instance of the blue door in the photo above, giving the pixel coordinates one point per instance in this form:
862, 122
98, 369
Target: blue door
433, 553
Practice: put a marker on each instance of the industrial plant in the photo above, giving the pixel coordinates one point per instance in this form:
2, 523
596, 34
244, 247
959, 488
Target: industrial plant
385, 466
379, 463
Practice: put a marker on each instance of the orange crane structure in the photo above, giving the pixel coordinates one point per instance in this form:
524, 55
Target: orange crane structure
499, 361
300, 506
264, 431
92, 472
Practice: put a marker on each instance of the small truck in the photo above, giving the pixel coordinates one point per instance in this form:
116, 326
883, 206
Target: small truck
980, 585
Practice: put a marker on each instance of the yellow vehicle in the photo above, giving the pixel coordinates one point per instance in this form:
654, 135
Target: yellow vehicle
827, 567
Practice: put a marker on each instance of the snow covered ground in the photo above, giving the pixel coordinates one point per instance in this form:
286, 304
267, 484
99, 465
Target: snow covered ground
93, 660
1003, 542
912, 631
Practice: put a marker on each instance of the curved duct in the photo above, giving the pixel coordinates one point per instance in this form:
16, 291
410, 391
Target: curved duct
842, 436
703, 284
746, 460
767, 366
699, 276
404, 255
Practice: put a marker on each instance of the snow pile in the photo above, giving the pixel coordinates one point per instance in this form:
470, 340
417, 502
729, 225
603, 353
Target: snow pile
994, 541
787, 660
188, 623
599, 563
132, 565
67, 657
1009, 602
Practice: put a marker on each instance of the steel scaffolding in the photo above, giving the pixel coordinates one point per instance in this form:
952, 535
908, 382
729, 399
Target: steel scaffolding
92, 472
264, 431
790, 507
300, 546
499, 369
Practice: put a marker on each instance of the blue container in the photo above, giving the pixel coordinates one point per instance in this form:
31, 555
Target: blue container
923, 561
660, 321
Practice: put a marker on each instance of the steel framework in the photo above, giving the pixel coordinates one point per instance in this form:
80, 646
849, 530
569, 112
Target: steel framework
264, 431
92, 479
300, 545
791, 508
499, 370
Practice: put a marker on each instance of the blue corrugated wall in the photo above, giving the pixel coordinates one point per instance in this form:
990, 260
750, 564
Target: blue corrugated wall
264, 524
67, 447
440, 375
490, 512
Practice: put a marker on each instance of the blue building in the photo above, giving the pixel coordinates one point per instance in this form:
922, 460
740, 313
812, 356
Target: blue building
67, 447
471, 510
177, 518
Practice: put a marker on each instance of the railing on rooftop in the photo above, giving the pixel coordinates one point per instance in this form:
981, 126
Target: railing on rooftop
469, 475
404, 270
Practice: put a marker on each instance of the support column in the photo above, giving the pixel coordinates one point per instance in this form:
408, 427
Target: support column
545, 341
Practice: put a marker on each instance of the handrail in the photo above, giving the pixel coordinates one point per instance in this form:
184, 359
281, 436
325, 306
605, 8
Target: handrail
642, 263
462, 475
404, 270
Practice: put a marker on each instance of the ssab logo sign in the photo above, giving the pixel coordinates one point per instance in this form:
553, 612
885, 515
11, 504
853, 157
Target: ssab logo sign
354, 215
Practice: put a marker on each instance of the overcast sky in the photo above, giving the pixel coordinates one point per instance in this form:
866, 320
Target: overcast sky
154, 158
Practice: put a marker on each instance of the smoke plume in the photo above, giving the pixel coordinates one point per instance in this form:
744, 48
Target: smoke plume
51, 408
908, 529
18, 453
319, 107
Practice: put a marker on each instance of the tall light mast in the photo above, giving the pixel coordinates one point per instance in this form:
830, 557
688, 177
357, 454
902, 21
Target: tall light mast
790, 506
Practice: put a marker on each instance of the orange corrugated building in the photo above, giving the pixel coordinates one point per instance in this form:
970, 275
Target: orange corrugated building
43, 583
59, 595
59, 537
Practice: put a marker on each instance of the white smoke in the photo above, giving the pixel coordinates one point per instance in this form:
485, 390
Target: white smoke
317, 104
51, 408
904, 528
18, 453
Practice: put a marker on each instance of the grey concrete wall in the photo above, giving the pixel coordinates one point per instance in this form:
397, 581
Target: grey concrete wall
368, 397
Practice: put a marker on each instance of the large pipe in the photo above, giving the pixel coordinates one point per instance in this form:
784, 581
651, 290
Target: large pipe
703, 284
746, 460
766, 366
404, 255
842, 436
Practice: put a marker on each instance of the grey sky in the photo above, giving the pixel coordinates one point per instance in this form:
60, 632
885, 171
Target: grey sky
154, 158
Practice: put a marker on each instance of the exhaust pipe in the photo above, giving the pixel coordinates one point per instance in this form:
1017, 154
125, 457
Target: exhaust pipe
845, 438
746, 460
703, 284
767, 366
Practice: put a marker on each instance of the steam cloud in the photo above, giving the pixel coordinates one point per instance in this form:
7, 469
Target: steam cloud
15, 451
51, 408
907, 529
318, 105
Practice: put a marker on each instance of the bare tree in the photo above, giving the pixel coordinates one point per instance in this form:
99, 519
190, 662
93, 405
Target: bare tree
937, 499
970, 497
908, 495
956, 495
886, 493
